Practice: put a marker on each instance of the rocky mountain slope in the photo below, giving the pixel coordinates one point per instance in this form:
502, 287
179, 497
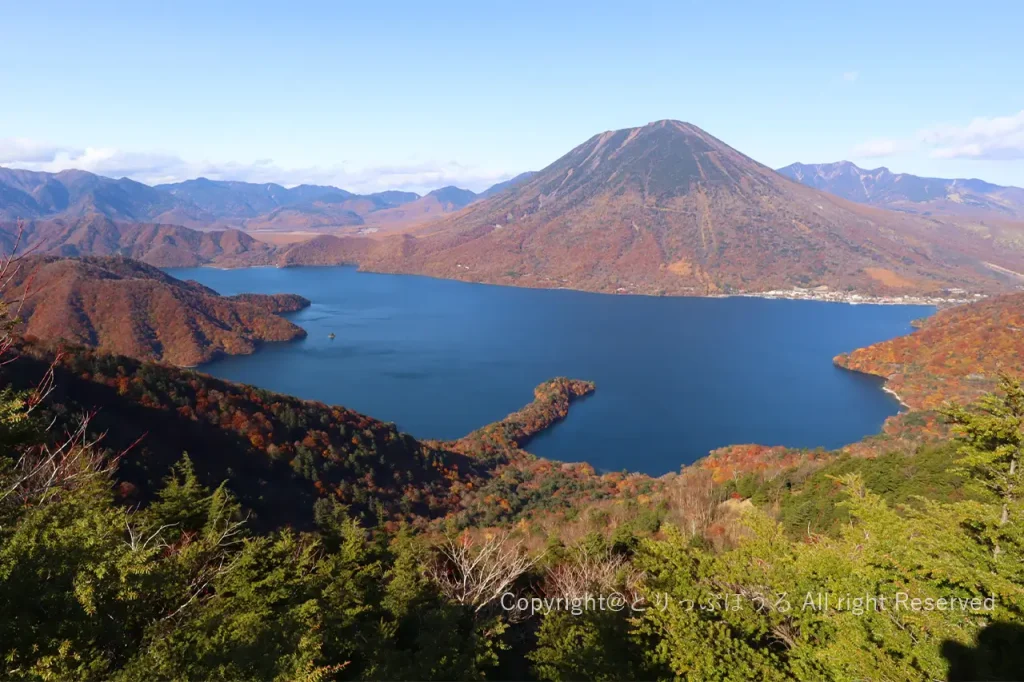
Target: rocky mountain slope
905, 192
126, 307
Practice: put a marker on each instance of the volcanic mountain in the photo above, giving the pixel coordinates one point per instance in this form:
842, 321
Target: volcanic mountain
905, 192
667, 208
129, 308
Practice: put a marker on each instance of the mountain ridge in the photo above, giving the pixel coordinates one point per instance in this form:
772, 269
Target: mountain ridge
153, 243
200, 202
131, 308
906, 192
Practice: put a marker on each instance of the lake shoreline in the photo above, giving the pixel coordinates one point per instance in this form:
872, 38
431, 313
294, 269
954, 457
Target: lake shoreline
795, 294
680, 375
896, 395
883, 380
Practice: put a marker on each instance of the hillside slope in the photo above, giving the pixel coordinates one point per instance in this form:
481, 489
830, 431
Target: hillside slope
507, 184
126, 307
155, 244
956, 354
279, 454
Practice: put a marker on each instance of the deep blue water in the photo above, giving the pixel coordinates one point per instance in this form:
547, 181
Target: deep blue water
676, 377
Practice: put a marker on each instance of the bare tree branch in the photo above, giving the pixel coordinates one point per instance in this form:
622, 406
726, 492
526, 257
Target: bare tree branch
477, 575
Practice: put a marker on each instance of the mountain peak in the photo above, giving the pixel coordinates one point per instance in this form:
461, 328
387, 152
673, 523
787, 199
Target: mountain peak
663, 125
673, 123
660, 160
456, 196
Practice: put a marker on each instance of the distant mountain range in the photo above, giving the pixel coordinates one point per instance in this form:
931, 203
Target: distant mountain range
130, 308
661, 209
905, 192
203, 203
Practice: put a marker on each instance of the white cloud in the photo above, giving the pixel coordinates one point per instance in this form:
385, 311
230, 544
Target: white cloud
851, 76
16, 149
155, 168
997, 138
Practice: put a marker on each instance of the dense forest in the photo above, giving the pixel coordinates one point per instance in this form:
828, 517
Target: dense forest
157, 523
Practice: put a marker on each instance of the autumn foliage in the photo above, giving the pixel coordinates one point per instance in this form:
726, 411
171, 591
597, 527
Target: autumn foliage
127, 307
956, 354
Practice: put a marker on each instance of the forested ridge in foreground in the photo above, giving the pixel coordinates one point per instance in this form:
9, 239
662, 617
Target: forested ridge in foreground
297, 540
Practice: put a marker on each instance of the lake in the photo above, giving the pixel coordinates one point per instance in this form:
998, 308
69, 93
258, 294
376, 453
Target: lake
676, 377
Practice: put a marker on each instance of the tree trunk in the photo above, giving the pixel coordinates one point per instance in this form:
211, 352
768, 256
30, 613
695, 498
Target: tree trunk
1008, 498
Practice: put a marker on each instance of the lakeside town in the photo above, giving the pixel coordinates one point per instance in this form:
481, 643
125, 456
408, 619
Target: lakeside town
824, 293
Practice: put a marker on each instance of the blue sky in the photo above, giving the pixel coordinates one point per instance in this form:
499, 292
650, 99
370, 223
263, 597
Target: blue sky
417, 95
